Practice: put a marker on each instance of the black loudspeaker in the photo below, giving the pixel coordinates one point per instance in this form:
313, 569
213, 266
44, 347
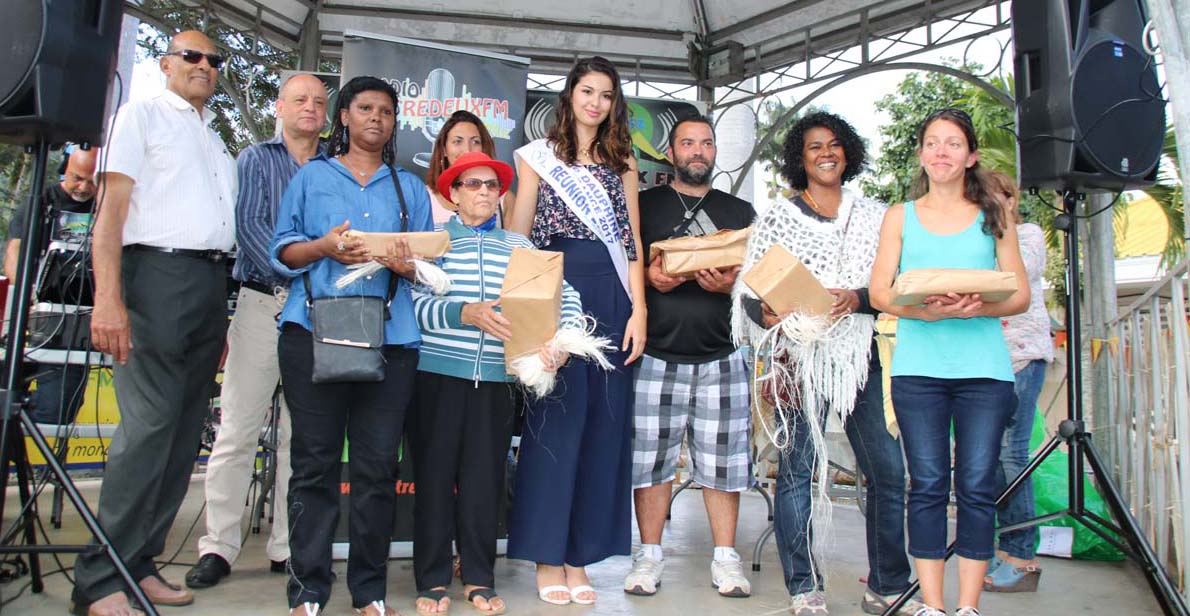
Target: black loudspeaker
61, 55
1090, 115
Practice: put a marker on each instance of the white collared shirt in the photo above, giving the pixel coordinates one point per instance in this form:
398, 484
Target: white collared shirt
185, 179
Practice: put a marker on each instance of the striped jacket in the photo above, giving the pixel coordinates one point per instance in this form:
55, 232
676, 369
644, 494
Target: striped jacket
475, 264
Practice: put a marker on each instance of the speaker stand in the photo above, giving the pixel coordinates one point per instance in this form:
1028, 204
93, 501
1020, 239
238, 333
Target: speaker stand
13, 398
1073, 432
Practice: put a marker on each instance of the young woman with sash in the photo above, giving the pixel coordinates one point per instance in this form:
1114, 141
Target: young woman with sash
572, 502
951, 366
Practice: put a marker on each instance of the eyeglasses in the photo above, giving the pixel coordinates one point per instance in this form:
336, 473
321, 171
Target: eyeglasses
191, 56
474, 184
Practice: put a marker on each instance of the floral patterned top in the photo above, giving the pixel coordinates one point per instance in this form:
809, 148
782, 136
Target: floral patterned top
554, 218
1028, 334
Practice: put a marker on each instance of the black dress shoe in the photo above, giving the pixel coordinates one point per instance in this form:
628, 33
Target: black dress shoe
278, 566
210, 569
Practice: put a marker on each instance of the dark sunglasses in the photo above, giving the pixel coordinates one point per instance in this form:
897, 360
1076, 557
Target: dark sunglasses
474, 184
192, 56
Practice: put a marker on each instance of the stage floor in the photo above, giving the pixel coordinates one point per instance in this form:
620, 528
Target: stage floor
1067, 587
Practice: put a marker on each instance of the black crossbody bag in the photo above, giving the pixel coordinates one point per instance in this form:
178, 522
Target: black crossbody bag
349, 330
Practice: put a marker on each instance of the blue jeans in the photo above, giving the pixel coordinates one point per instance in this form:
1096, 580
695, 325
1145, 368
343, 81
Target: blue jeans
1014, 456
59, 393
791, 510
879, 456
979, 409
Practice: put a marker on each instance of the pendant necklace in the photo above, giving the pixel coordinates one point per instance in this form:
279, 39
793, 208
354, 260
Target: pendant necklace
689, 213
343, 159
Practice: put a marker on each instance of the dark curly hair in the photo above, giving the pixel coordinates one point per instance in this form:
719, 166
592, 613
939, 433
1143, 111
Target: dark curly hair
613, 143
794, 168
338, 143
976, 187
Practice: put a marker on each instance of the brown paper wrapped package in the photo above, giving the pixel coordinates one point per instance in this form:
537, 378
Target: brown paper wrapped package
781, 280
686, 255
425, 244
531, 300
913, 287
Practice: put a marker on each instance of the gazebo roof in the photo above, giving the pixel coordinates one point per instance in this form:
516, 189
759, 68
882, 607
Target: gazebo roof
656, 41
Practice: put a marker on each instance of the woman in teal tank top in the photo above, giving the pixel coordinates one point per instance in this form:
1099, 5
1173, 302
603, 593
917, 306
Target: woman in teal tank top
950, 365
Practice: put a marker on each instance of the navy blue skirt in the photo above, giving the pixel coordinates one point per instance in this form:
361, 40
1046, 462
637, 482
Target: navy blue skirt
573, 493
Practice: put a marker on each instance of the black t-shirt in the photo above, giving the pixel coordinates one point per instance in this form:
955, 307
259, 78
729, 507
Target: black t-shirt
688, 325
65, 216
67, 274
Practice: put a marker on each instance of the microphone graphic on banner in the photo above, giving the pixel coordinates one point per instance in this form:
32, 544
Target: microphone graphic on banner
440, 85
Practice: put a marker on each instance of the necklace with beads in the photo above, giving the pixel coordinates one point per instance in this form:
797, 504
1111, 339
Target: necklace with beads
814, 205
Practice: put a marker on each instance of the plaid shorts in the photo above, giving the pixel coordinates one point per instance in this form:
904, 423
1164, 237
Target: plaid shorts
709, 405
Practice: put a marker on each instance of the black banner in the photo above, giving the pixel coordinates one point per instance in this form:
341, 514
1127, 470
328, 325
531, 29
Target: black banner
433, 81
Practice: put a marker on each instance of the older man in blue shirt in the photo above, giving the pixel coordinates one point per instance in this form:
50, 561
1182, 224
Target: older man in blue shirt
251, 373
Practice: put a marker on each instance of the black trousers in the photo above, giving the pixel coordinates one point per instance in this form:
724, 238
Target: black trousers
177, 308
372, 416
461, 433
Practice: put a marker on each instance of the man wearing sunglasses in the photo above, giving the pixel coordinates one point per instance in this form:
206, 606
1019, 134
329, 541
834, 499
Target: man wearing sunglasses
251, 373
165, 223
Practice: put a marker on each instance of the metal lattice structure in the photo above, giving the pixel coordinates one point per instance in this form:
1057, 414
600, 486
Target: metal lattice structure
688, 42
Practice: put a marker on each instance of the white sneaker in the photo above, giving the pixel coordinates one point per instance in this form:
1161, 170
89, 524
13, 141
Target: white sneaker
645, 577
728, 577
811, 603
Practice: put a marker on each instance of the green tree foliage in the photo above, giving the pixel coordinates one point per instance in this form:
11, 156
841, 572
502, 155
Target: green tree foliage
243, 100
16, 178
248, 82
895, 167
770, 156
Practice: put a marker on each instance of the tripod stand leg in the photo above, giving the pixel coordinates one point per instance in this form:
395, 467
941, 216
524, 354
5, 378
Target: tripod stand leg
26, 524
1167, 593
88, 516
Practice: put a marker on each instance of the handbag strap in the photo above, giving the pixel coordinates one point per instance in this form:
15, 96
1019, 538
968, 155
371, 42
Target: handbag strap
393, 281
400, 197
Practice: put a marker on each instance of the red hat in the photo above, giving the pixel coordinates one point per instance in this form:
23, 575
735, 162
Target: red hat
474, 159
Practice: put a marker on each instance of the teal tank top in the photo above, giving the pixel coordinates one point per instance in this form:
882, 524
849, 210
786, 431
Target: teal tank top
949, 348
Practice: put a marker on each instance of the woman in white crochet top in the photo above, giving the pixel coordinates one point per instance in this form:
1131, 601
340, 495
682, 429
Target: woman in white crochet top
833, 232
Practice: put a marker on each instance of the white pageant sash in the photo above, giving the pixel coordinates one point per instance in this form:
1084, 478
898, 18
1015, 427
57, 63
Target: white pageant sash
581, 191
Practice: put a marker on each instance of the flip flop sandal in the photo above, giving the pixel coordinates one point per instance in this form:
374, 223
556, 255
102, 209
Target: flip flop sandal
577, 590
544, 594
488, 594
435, 595
378, 604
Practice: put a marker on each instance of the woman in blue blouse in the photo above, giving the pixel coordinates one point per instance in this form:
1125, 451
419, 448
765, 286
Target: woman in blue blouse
572, 501
950, 366
352, 186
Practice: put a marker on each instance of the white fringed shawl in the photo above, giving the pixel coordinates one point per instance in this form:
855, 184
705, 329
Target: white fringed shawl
827, 362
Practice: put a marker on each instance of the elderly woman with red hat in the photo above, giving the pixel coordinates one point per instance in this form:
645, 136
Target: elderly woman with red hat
464, 416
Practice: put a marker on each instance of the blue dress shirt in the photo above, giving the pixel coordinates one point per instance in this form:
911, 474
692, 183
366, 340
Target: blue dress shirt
321, 196
264, 170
